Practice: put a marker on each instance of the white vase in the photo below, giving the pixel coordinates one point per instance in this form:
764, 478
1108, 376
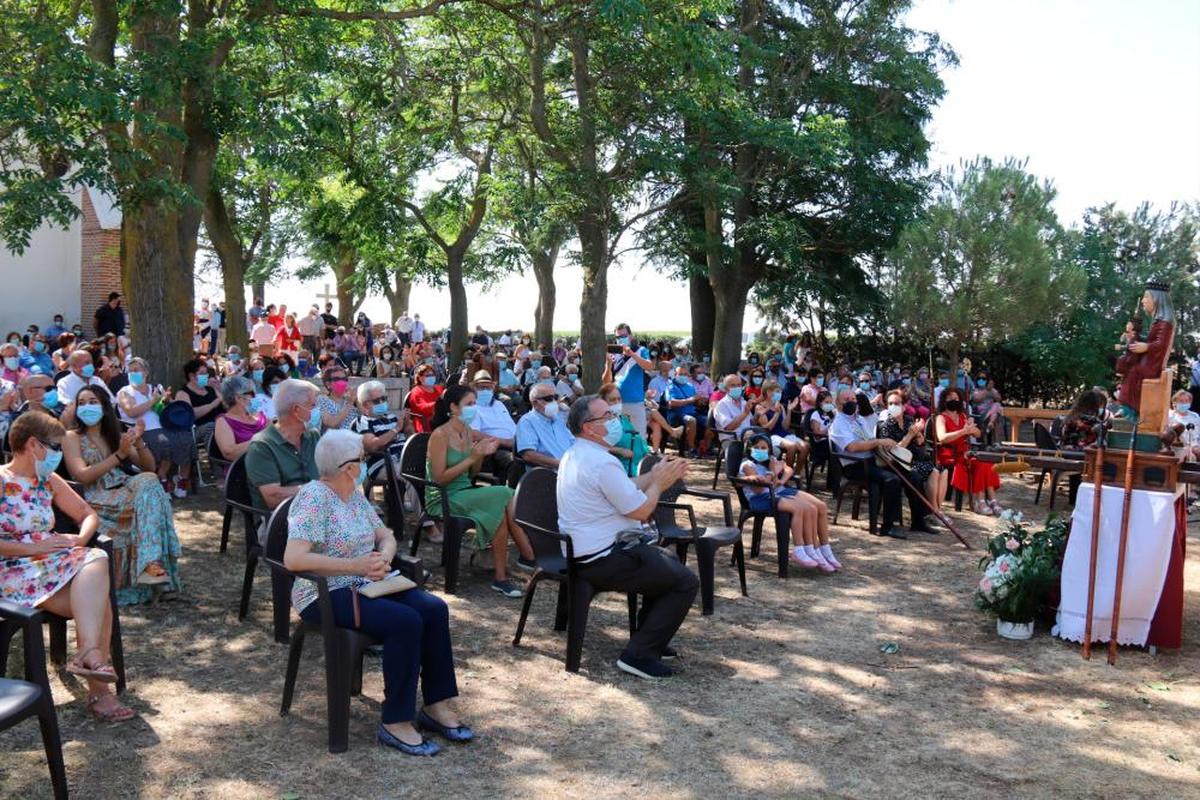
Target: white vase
1014, 630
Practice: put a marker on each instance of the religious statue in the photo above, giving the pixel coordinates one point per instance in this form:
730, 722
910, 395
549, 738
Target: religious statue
1146, 360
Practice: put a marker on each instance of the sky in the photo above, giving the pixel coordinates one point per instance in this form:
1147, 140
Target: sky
1101, 96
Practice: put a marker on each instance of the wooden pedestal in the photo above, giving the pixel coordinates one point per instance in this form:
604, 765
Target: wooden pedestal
1155, 403
1153, 472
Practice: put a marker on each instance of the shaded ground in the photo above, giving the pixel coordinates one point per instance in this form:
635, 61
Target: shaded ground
784, 693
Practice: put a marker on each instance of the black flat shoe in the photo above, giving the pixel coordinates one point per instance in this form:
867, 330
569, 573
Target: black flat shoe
388, 739
461, 734
894, 532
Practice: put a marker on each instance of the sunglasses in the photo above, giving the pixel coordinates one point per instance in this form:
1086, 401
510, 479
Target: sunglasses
51, 446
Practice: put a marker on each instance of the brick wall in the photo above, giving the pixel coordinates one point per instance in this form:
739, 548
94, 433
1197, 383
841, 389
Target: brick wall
100, 265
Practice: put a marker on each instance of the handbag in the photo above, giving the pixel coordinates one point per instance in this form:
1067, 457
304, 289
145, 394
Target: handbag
389, 584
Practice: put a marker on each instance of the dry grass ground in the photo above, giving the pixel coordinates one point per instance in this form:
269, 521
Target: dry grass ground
784, 693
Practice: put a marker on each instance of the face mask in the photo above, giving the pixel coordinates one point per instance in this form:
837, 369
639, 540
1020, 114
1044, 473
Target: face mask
895, 411
12, 362
235, 358
980, 382
757, 380
820, 381
953, 405
254, 406
547, 381
46, 465
484, 397
58, 323
429, 380
615, 408
362, 473
550, 410
468, 413
760, 455
653, 353
1183, 408
776, 397
754, 362
736, 392
314, 419
39, 347
612, 432
944, 382
535, 363
380, 409
700, 377
681, 380
257, 374
50, 398
137, 378
827, 408
78, 332
90, 414
623, 341
88, 370
864, 385
339, 387
849, 408
502, 362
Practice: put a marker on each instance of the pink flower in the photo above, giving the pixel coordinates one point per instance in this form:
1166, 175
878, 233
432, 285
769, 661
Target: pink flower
1012, 545
985, 585
1002, 566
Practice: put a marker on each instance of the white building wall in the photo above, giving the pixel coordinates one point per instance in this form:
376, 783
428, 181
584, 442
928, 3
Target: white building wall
42, 281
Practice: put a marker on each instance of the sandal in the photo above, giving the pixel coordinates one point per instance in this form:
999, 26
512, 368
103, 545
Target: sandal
119, 714
103, 673
153, 575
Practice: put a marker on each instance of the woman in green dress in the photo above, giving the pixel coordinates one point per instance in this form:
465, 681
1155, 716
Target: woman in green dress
455, 453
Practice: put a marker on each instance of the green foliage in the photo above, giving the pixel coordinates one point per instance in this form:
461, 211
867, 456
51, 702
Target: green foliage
986, 260
1021, 568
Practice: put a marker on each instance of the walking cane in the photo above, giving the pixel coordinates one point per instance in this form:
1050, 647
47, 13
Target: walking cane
886, 457
1126, 504
1098, 490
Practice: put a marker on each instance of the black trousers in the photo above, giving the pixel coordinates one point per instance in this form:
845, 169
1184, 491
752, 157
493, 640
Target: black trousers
884, 485
667, 586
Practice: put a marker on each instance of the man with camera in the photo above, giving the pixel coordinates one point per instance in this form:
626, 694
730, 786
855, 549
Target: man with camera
627, 366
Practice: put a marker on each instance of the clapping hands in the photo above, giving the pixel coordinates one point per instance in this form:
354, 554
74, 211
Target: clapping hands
668, 471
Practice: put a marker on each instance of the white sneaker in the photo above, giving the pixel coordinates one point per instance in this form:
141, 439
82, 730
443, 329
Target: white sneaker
179, 491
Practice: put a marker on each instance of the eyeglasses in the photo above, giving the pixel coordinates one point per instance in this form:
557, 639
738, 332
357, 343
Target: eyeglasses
605, 418
52, 446
350, 461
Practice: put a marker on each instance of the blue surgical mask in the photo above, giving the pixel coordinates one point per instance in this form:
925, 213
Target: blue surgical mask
202, 380
827, 408
820, 381
535, 363
1183, 408
864, 385
681, 380
612, 431
257, 375
736, 392
46, 465
623, 341
484, 397
467, 413
776, 397
255, 405
50, 398
137, 378
981, 382
12, 362
89, 414
429, 380
362, 473
39, 347
760, 455
380, 409
314, 419
944, 383
235, 358
502, 363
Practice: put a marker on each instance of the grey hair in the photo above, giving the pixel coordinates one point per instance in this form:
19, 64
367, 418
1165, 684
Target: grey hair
579, 412
290, 393
234, 387
334, 449
365, 389
138, 362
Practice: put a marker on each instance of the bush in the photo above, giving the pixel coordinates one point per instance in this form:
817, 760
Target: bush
1021, 568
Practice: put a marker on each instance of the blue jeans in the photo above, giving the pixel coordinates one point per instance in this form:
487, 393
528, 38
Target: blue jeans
415, 629
762, 502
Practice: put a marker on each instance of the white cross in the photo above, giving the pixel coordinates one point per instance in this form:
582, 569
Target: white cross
327, 297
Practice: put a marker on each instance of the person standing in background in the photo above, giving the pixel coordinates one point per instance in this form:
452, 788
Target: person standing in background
110, 317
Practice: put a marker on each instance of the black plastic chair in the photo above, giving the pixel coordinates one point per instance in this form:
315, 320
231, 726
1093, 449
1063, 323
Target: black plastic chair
57, 626
1043, 439
239, 500
537, 513
783, 520
842, 484
216, 459
412, 468
344, 647
706, 539
22, 699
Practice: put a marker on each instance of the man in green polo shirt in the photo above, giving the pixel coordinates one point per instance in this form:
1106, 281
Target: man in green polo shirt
281, 457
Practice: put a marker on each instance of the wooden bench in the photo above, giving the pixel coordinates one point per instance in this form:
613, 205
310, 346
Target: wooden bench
1016, 415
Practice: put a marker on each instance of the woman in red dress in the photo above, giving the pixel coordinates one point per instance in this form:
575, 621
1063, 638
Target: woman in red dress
423, 398
287, 340
954, 430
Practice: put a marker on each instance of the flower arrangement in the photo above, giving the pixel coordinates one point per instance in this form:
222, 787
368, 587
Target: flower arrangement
1022, 566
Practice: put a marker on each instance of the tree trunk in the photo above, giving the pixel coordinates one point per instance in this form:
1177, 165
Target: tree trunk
729, 301
458, 307
543, 315
343, 272
397, 296
233, 267
704, 310
258, 291
158, 288
593, 303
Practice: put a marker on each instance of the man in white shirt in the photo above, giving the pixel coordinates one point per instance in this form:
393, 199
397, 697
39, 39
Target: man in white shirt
854, 432
732, 413
263, 333
404, 326
83, 373
492, 419
310, 328
597, 504
418, 329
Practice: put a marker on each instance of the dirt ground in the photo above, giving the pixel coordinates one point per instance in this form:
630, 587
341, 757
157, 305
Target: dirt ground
783, 693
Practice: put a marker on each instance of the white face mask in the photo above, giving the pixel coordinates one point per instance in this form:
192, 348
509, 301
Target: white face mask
550, 410
895, 410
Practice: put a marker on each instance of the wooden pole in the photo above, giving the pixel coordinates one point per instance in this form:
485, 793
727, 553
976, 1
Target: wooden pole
886, 457
1126, 505
1097, 501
